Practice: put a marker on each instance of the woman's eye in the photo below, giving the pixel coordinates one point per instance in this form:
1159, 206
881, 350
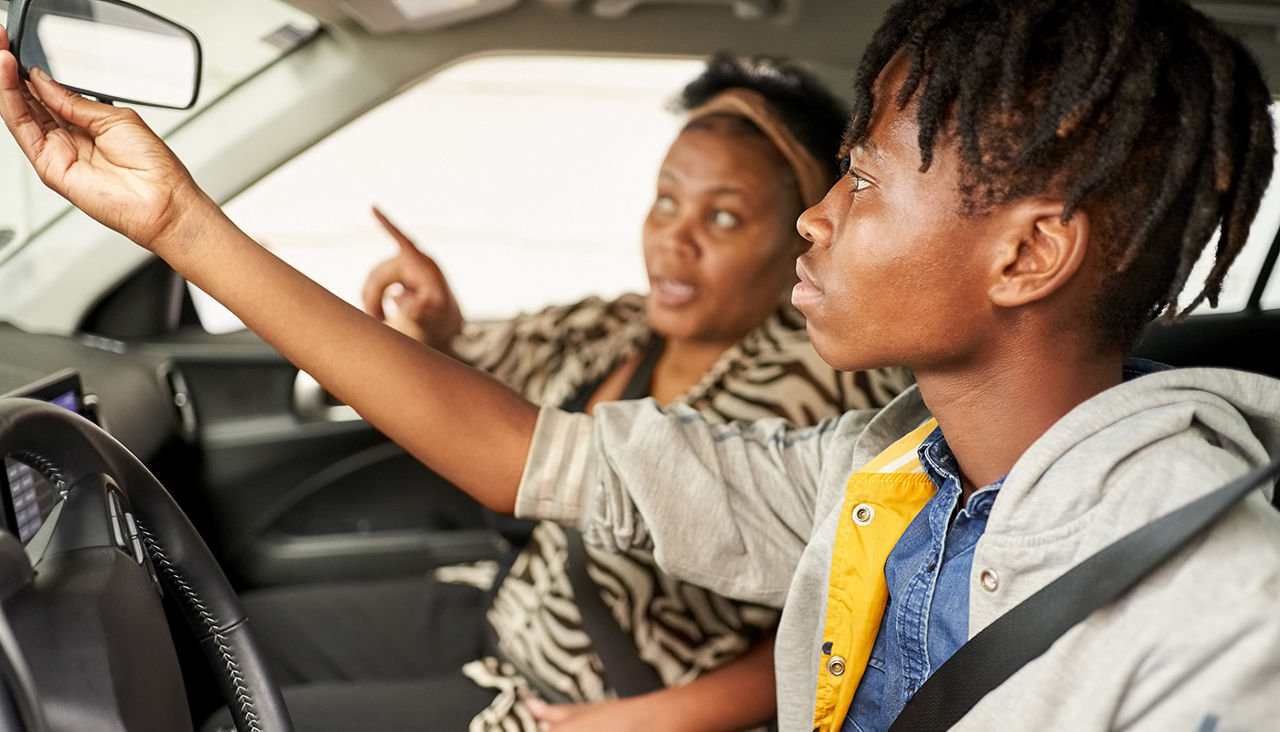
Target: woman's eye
664, 204
724, 220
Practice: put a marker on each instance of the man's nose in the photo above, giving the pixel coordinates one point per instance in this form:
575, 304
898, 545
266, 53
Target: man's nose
814, 223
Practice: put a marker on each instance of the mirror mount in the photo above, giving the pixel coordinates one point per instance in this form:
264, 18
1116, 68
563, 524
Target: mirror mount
110, 50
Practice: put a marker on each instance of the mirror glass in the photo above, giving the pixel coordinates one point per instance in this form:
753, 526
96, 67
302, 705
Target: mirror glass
112, 51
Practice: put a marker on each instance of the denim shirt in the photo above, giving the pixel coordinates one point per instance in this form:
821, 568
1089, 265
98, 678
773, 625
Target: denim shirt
927, 616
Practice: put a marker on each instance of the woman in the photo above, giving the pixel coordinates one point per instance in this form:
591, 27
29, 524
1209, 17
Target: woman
716, 332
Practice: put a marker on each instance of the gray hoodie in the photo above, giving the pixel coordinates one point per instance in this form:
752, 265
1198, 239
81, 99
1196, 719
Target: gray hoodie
751, 511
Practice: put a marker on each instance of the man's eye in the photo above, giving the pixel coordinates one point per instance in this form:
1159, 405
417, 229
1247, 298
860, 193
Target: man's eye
857, 182
664, 204
724, 220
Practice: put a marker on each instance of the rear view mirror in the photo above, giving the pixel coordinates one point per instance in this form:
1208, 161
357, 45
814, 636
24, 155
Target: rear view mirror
107, 49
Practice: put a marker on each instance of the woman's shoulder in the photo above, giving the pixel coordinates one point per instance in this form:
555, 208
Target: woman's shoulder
775, 371
591, 317
593, 312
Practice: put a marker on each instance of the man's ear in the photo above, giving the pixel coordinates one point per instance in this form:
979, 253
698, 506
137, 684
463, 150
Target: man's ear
1040, 254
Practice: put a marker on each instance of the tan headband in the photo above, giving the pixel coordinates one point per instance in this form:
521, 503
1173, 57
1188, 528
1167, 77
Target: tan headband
811, 179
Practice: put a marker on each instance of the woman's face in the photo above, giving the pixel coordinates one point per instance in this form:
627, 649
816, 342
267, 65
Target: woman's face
720, 241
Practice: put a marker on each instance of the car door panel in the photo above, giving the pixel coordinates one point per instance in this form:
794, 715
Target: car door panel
291, 486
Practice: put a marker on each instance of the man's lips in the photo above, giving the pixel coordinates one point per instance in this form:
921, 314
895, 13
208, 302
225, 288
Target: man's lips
806, 290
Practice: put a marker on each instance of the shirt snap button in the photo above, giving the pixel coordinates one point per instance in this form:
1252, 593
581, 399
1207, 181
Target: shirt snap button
990, 580
835, 665
862, 514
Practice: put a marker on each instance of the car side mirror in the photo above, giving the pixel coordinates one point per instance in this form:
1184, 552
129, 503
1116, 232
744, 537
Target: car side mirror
107, 49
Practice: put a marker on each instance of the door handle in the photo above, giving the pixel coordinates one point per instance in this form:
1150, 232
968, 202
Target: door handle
312, 402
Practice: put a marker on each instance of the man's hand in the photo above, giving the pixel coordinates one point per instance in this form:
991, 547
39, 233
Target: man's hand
103, 159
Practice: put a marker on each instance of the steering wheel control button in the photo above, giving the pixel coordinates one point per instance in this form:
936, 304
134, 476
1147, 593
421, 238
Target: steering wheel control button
135, 541
990, 580
863, 514
139, 555
836, 665
133, 526
117, 533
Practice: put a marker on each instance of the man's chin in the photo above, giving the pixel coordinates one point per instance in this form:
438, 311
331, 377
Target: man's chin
835, 351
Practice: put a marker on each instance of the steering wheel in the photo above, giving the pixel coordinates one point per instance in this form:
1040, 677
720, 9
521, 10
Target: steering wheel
83, 636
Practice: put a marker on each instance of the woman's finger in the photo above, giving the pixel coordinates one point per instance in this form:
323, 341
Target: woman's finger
552, 713
406, 244
383, 276
411, 251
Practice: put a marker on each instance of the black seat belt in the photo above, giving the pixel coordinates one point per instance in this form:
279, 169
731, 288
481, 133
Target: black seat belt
1025, 632
624, 670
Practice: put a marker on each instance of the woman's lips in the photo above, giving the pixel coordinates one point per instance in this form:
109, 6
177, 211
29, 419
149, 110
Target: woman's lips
805, 291
672, 292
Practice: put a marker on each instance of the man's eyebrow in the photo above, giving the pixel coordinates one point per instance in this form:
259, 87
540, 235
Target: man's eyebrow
869, 147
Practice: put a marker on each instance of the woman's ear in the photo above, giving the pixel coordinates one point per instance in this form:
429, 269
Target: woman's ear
1040, 255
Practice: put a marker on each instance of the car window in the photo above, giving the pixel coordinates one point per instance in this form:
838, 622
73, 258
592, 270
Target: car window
526, 177
1240, 281
237, 38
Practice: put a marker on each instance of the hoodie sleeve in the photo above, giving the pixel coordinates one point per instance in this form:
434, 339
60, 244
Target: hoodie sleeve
728, 507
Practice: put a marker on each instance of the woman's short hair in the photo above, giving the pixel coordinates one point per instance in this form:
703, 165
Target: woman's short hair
815, 116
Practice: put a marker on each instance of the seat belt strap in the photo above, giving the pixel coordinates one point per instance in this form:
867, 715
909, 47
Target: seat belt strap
624, 670
1024, 633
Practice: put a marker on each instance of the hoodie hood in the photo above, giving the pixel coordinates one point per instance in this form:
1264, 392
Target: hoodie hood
1208, 425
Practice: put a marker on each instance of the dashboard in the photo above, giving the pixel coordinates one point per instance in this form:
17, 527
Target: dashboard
137, 396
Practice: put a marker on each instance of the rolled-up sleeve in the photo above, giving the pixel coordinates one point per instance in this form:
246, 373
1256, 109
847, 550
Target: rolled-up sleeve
560, 452
726, 506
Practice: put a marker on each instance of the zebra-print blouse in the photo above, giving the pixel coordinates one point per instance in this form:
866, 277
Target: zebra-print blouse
681, 630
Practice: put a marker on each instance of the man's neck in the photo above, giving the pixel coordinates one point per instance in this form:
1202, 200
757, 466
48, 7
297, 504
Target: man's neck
992, 415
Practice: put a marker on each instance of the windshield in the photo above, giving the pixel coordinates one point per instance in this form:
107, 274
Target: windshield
238, 38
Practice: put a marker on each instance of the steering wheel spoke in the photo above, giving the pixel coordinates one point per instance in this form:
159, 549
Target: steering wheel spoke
88, 622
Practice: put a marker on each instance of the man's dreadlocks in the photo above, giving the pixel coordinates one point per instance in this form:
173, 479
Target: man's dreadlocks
1140, 111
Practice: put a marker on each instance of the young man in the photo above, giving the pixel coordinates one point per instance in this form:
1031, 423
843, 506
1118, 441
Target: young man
1029, 183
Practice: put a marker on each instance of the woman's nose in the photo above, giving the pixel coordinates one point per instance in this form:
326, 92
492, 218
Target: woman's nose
680, 236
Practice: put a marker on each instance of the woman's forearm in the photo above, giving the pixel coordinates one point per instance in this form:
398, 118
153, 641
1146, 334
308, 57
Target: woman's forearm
463, 423
740, 695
